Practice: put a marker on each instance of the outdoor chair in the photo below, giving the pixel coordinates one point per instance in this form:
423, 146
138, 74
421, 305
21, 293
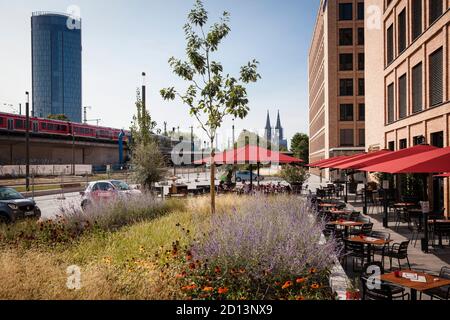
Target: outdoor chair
441, 230
385, 291
356, 251
398, 251
329, 230
442, 293
380, 250
401, 217
416, 231
354, 216
365, 229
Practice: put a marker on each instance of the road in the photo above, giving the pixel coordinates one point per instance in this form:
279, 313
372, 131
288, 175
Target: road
51, 205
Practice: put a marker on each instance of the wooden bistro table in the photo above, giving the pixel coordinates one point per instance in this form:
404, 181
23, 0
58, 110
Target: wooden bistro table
369, 242
421, 282
328, 205
346, 225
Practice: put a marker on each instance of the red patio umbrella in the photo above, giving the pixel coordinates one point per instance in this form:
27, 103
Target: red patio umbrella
383, 156
346, 159
353, 163
437, 160
445, 175
323, 161
252, 155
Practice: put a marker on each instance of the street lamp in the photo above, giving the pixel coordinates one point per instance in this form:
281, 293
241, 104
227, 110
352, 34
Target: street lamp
27, 141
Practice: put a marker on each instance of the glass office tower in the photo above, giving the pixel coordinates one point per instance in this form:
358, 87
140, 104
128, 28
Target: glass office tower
56, 65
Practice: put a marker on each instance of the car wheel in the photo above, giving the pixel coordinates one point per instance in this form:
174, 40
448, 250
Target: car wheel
84, 205
238, 180
4, 219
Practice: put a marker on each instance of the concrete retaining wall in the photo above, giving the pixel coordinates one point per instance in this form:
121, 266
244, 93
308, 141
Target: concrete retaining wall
44, 170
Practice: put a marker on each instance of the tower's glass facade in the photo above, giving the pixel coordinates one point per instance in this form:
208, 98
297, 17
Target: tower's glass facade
56, 64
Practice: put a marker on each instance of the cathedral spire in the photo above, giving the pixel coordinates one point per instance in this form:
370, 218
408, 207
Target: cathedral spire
268, 131
279, 121
268, 126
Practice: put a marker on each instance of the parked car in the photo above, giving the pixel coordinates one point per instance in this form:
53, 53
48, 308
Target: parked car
242, 176
99, 191
13, 206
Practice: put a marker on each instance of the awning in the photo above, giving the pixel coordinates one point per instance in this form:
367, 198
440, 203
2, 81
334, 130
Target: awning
437, 160
383, 156
251, 155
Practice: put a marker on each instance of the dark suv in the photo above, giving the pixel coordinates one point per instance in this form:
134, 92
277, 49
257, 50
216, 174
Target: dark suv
14, 206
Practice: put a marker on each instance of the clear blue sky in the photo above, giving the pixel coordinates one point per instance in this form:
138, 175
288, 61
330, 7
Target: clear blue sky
123, 38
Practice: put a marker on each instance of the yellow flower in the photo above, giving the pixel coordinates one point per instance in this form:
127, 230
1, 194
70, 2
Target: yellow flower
315, 286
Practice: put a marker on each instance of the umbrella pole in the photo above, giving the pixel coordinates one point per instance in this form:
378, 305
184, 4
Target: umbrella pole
346, 187
365, 195
258, 177
251, 177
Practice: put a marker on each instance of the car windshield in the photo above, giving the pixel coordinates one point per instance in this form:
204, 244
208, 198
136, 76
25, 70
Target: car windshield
9, 194
120, 185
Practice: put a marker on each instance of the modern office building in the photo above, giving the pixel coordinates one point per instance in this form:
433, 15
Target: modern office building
407, 78
336, 80
56, 65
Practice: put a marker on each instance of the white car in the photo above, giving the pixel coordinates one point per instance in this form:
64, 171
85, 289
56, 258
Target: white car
99, 191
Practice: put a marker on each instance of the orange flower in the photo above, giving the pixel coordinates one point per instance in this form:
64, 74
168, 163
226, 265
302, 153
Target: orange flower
192, 266
223, 291
242, 270
189, 288
300, 298
315, 286
277, 283
287, 285
181, 275
208, 289
188, 257
312, 270
300, 280
217, 270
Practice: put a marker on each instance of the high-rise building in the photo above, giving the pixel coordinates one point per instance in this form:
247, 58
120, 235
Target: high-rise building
56, 65
336, 80
407, 78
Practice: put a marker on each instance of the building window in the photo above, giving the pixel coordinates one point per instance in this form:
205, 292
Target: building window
437, 139
361, 36
402, 31
346, 112
416, 18
346, 62
403, 144
390, 103
345, 11
417, 91
360, 10
361, 61
361, 87
391, 145
346, 87
435, 10
362, 112
347, 138
362, 137
390, 44
436, 78
402, 103
418, 140
346, 37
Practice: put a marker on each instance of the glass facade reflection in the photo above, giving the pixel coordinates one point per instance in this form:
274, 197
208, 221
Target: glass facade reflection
56, 64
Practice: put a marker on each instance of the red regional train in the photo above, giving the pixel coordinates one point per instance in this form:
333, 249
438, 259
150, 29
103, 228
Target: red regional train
16, 123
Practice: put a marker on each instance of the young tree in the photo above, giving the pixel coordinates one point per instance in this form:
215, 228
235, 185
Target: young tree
300, 146
60, 117
211, 94
147, 160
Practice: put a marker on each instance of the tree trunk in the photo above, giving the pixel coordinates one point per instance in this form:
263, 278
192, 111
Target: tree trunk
213, 179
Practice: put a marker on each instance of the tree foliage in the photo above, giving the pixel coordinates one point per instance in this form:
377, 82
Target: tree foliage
294, 175
300, 146
212, 94
147, 160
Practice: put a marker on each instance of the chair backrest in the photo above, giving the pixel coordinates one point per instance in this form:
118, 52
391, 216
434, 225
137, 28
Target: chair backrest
445, 273
384, 293
367, 228
354, 216
378, 264
355, 247
381, 235
442, 227
403, 248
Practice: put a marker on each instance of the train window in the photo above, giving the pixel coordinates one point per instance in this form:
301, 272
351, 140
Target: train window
1, 121
44, 125
19, 124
